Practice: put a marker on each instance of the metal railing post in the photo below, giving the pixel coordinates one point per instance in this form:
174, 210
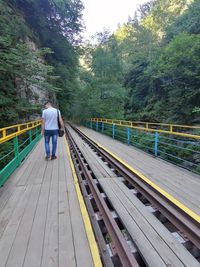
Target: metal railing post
16, 149
102, 129
30, 136
97, 126
128, 136
36, 132
4, 134
156, 140
113, 131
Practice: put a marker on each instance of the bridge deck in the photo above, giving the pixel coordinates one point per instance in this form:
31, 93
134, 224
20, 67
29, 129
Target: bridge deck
40, 218
157, 245
180, 183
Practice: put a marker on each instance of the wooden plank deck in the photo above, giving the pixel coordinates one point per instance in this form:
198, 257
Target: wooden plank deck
150, 236
40, 218
157, 245
180, 183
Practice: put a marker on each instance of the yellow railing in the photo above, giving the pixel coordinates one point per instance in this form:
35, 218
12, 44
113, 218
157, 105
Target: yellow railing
10, 132
174, 129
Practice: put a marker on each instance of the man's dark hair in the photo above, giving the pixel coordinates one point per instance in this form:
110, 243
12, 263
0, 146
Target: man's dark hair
48, 102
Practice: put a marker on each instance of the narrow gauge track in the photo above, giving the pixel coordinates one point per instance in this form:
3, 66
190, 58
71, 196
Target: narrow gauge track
104, 222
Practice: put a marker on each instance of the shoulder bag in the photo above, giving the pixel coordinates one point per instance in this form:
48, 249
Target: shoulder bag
60, 132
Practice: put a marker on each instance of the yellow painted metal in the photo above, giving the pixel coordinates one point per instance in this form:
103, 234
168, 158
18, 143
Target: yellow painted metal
173, 129
17, 129
4, 133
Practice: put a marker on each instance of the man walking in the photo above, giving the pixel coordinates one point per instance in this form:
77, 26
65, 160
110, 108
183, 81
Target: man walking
50, 128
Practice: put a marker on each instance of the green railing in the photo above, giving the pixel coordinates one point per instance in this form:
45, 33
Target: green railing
15, 144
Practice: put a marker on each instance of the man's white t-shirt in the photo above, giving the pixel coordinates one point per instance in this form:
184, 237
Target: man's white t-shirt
50, 116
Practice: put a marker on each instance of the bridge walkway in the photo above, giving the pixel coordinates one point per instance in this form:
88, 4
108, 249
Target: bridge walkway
40, 216
183, 185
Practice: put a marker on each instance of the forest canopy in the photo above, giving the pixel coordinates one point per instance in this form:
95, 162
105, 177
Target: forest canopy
54, 27
149, 69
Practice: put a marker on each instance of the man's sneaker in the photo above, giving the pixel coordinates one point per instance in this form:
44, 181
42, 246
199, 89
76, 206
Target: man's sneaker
53, 157
47, 158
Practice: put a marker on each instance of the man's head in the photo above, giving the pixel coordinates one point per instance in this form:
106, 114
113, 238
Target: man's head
48, 104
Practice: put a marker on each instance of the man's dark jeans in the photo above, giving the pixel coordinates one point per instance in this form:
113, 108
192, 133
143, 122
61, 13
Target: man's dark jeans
47, 135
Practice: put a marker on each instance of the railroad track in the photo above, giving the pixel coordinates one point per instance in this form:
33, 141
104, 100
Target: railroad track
116, 245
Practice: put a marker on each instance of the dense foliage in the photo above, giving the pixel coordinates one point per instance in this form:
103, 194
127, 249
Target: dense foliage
54, 27
148, 69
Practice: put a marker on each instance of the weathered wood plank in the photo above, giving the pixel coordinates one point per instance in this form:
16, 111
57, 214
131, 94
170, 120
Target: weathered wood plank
151, 256
32, 168
50, 248
18, 250
9, 208
67, 255
161, 239
10, 232
35, 246
9, 187
38, 171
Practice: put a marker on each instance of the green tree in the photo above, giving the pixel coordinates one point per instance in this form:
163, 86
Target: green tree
178, 73
162, 80
18, 62
54, 26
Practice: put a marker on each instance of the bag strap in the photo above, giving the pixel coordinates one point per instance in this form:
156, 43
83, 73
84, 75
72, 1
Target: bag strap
58, 119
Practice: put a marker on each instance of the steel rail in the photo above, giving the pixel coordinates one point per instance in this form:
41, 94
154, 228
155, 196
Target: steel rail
119, 244
96, 228
185, 223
